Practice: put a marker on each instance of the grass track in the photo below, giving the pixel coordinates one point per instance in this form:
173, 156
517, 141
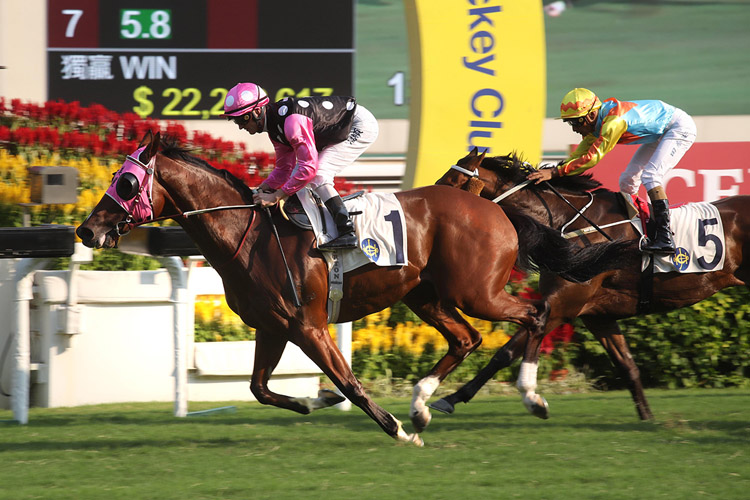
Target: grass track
592, 447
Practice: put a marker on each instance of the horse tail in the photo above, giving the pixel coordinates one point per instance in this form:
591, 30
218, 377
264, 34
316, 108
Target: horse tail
542, 248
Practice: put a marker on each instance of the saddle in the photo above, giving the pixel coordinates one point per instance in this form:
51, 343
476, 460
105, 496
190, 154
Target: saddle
293, 211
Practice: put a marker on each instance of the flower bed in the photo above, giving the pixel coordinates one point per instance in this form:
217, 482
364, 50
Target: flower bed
95, 140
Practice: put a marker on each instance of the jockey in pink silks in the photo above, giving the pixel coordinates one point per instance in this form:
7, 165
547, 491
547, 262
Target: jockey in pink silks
315, 138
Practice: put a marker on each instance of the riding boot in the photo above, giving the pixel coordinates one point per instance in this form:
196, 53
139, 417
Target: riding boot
662, 242
344, 225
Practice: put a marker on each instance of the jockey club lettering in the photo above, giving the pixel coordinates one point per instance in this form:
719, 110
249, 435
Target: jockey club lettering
465, 58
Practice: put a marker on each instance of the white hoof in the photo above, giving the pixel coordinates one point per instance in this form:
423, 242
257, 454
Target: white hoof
420, 418
403, 437
537, 406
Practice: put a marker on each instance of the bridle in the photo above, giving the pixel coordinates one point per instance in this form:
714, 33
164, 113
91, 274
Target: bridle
475, 175
149, 181
126, 225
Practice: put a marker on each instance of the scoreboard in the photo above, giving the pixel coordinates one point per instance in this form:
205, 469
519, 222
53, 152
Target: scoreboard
176, 59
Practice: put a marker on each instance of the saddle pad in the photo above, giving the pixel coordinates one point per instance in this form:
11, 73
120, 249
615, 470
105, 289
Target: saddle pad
380, 228
698, 237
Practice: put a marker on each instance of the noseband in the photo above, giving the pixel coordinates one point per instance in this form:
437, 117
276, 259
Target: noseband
475, 175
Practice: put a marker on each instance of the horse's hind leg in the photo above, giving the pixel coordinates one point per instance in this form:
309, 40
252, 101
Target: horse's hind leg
268, 351
533, 316
527, 375
320, 348
608, 333
503, 358
462, 339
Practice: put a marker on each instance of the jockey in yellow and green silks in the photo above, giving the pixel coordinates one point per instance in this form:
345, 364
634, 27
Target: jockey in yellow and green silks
664, 132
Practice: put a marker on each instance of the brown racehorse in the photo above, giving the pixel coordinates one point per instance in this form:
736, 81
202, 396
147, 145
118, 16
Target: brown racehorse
611, 296
460, 253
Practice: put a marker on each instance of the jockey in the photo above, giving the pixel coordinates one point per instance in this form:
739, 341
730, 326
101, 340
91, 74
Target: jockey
664, 132
315, 138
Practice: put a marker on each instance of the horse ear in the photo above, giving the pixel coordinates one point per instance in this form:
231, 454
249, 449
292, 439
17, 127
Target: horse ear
146, 139
155, 145
151, 146
481, 157
474, 151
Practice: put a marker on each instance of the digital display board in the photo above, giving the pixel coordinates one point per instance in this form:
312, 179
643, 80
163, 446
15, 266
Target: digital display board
176, 59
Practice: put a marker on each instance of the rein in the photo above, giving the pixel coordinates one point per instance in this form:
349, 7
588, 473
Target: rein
125, 226
579, 213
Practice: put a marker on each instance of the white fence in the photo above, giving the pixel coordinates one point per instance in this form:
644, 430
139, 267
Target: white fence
83, 337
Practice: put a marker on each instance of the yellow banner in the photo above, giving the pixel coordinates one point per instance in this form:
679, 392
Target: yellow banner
478, 78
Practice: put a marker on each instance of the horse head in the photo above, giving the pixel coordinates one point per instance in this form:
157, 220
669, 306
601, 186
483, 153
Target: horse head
128, 201
486, 176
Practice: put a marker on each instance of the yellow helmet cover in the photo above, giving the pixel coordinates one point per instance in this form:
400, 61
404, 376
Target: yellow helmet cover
578, 102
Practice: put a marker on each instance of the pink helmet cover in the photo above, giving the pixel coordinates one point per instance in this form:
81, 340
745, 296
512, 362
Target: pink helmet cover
243, 98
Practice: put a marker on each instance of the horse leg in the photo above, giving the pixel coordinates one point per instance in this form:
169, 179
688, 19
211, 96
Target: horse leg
527, 375
502, 359
608, 333
317, 344
268, 351
462, 339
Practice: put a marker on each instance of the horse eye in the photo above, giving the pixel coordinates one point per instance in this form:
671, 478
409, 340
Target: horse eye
127, 186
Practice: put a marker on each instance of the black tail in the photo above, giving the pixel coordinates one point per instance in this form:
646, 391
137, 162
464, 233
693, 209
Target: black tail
542, 248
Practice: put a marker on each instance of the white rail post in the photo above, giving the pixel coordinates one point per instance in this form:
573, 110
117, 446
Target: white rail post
24, 279
179, 300
344, 343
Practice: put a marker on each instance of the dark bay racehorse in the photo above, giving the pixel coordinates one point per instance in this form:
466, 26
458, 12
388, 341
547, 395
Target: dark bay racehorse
460, 253
610, 296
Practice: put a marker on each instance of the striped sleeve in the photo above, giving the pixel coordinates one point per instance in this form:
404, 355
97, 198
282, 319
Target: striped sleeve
592, 149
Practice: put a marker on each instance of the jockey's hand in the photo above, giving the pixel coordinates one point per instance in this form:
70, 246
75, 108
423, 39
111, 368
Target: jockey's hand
268, 199
543, 174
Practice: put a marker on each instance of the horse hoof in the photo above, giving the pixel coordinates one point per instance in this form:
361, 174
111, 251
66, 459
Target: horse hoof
540, 408
330, 398
403, 437
416, 440
442, 406
421, 419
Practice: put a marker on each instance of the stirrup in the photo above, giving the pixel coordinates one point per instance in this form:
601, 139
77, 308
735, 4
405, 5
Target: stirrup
648, 247
341, 242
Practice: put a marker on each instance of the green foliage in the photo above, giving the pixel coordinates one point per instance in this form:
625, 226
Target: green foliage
114, 260
216, 331
706, 345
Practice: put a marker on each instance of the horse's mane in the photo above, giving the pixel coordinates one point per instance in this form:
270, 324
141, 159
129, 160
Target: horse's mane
171, 148
513, 168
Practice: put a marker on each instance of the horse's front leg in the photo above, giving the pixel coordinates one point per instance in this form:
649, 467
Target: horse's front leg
538, 327
268, 351
462, 339
317, 344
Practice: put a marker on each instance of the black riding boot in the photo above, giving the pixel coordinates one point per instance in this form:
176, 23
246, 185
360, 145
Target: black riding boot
662, 242
344, 224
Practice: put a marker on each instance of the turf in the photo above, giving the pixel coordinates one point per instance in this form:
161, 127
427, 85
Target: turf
592, 447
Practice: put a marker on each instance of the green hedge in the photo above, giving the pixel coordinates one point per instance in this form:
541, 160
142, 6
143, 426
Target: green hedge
706, 345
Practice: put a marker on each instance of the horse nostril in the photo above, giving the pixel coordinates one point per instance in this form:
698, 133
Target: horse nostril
84, 233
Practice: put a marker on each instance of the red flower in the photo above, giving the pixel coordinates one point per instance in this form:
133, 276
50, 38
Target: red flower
557, 338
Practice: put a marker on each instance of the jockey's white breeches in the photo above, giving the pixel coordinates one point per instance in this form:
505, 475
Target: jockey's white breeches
653, 160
